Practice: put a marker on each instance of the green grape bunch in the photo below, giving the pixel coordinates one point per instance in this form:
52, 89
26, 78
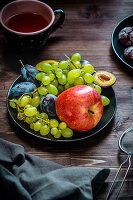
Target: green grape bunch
53, 78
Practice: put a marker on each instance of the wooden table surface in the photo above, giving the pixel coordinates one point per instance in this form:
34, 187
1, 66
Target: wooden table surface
87, 29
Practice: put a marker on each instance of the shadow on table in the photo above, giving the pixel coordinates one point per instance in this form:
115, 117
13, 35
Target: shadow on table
12, 55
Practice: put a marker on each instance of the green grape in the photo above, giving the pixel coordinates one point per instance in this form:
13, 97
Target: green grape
44, 130
69, 63
43, 115
74, 73
28, 120
32, 125
40, 75
97, 87
45, 66
55, 82
37, 114
54, 123
76, 57
37, 126
65, 71
62, 80
79, 81
60, 88
105, 100
67, 133
52, 89
58, 135
88, 78
70, 80
21, 116
49, 72
51, 76
42, 90
54, 131
30, 111
67, 86
62, 125
28, 106
63, 64
35, 101
24, 100
35, 94
33, 118
75, 64
88, 68
82, 73
59, 131
13, 103
58, 72
54, 66
46, 80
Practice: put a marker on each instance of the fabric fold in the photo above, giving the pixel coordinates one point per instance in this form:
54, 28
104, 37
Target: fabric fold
30, 177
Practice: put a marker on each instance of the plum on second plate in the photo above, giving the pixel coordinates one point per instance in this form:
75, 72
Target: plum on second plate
128, 53
126, 36
29, 73
21, 88
47, 104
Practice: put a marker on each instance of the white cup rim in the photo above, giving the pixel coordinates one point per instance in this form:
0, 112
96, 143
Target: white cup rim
29, 33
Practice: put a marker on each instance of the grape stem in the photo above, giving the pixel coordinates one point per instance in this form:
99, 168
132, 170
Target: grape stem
70, 60
19, 109
30, 93
13, 101
17, 106
46, 121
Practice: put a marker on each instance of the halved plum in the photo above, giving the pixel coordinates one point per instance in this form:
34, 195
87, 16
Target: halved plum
46, 61
104, 78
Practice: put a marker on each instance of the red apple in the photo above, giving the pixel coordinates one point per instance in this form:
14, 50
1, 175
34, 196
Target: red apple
80, 107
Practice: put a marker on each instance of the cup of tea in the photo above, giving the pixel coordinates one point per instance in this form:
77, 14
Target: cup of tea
28, 23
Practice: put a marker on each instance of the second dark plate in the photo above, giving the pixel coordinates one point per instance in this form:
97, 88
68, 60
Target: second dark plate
118, 47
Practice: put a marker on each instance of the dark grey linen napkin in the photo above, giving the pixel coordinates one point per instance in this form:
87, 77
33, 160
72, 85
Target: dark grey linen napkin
27, 177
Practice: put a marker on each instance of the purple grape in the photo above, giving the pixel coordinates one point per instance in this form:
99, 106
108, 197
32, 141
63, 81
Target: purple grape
47, 104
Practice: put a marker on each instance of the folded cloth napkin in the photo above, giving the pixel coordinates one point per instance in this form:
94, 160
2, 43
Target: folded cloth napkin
27, 177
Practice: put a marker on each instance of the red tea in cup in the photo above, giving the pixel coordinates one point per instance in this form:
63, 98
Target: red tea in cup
26, 22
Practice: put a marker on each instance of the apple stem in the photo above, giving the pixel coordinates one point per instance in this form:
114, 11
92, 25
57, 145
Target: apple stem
91, 111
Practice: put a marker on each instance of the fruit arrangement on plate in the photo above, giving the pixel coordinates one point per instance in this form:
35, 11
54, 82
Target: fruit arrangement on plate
57, 98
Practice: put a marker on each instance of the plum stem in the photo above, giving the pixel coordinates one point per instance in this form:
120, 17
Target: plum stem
21, 62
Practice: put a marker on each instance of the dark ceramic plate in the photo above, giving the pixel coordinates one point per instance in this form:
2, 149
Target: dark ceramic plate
118, 47
109, 112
